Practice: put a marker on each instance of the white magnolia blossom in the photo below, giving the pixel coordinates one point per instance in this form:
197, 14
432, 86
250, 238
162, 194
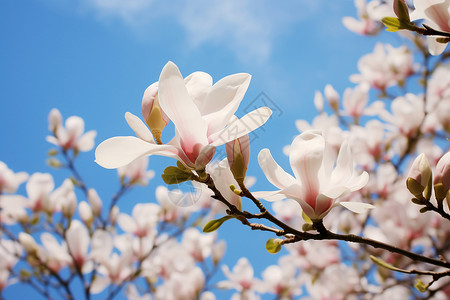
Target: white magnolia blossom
10, 181
71, 135
203, 115
317, 182
144, 218
385, 67
136, 172
241, 277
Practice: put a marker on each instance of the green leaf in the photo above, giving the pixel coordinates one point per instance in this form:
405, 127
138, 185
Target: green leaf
394, 24
420, 286
384, 264
173, 175
273, 245
213, 225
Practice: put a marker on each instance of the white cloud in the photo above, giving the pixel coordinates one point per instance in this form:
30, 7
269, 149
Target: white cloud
249, 28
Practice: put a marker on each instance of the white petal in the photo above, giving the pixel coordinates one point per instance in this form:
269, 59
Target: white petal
274, 173
86, 141
357, 207
127, 223
270, 196
306, 157
241, 127
198, 85
223, 100
122, 150
175, 101
139, 128
434, 46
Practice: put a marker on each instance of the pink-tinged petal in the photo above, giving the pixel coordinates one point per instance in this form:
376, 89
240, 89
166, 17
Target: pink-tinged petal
323, 204
241, 127
357, 207
223, 100
86, 141
175, 101
307, 209
198, 85
139, 128
434, 47
306, 157
122, 150
205, 156
77, 238
274, 173
439, 14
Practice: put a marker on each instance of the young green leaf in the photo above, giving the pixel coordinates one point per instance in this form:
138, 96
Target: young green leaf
213, 225
273, 245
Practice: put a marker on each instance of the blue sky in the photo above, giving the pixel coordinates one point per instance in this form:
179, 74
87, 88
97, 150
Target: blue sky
94, 59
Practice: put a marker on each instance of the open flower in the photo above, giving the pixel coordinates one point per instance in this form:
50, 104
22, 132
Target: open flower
316, 184
70, 136
203, 115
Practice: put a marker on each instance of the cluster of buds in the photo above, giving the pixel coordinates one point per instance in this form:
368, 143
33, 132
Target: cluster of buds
420, 181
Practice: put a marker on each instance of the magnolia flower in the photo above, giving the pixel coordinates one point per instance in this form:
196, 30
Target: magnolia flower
10, 181
203, 115
241, 277
77, 238
366, 25
385, 66
316, 184
437, 15
136, 172
71, 136
144, 220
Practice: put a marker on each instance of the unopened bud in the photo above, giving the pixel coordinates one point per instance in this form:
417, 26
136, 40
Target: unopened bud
419, 177
238, 155
54, 120
442, 177
95, 202
218, 250
332, 97
401, 10
85, 212
153, 115
28, 242
114, 212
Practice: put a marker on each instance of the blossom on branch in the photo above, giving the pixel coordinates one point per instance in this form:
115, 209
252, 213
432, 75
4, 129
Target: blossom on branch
203, 115
316, 184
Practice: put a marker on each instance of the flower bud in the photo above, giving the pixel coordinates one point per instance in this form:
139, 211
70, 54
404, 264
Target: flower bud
69, 205
85, 212
113, 214
318, 101
28, 242
442, 177
332, 97
95, 202
238, 155
401, 10
152, 113
419, 177
218, 250
54, 120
